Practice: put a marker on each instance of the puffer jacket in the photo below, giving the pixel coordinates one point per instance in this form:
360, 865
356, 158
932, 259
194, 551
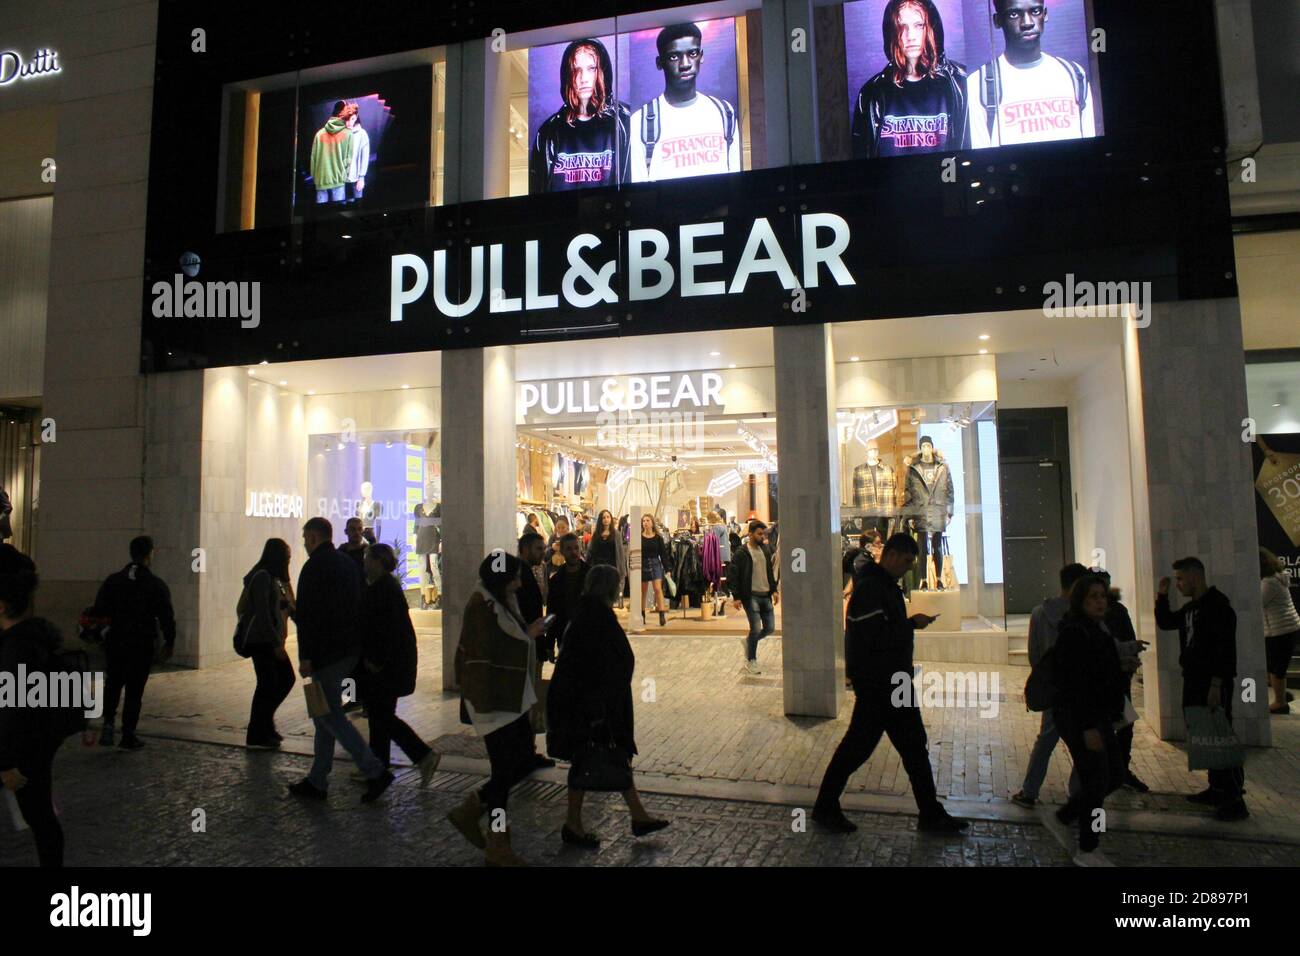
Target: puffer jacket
930, 505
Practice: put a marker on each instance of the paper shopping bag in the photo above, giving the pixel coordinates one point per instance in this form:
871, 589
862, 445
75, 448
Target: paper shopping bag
1211, 742
317, 705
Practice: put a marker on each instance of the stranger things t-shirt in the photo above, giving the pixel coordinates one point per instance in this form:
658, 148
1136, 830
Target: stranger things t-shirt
916, 118
692, 142
1039, 104
584, 153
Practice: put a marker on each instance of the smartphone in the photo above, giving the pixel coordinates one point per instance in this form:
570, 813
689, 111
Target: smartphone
548, 621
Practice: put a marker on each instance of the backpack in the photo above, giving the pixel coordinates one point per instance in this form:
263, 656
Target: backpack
1040, 688
650, 128
991, 89
240, 640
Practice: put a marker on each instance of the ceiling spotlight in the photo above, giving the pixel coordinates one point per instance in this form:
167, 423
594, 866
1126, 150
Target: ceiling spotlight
965, 162
732, 365
984, 351
853, 358
406, 386
339, 446
976, 185
252, 372
282, 382
714, 354
985, 337
345, 236
312, 392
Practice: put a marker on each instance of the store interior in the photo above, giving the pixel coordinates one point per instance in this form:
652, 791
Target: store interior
684, 427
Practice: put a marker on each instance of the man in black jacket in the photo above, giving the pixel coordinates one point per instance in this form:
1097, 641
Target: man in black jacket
752, 581
328, 616
532, 552
878, 657
563, 592
1207, 641
138, 606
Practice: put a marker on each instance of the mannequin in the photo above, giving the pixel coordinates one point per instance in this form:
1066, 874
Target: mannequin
875, 489
927, 502
428, 541
368, 508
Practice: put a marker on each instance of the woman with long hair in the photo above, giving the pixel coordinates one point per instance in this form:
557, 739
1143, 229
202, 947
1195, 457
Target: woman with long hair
1281, 627
496, 668
389, 658
654, 558
264, 609
606, 547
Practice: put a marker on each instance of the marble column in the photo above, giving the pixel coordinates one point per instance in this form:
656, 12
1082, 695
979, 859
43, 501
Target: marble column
1194, 493
812, 613
478, 484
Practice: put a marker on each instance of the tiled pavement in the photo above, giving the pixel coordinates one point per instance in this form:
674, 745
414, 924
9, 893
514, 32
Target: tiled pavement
139, 809
705, 728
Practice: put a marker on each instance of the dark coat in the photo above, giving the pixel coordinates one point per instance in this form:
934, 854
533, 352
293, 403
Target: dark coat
329, 607
740, 576
387, 639
530, 599
592, 680
25, 737
557, 604
138, 605
878, 637
1207, 641
1090, 684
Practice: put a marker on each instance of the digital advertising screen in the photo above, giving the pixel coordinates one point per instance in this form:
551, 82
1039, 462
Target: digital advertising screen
363, 142
928, 76
646, 106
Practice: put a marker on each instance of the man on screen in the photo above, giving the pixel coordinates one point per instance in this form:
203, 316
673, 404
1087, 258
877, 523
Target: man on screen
683, 133
331, 154
917, 103
1026, 95
585, 142
359, 162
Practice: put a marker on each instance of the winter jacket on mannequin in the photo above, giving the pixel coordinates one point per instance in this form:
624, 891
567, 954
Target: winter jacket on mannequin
929, 502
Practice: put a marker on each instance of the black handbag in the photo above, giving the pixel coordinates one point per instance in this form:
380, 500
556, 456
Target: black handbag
601, 765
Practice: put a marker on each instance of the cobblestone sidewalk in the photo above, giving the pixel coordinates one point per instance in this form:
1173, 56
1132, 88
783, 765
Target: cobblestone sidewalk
127, 809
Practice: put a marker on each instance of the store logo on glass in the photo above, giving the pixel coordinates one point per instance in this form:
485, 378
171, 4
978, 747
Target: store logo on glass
658, 264
13, 67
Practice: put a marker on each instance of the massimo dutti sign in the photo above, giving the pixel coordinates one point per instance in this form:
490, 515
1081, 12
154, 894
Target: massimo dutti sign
14, 66
658, 264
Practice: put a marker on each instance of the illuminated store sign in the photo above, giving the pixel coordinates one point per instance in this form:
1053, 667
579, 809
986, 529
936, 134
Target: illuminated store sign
626, 393
13, 67
266, 504
653, 270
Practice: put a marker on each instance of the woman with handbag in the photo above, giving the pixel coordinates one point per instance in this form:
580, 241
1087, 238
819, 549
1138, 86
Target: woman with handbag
589, 708
264, 609
389, 658
1087, 703
496, 668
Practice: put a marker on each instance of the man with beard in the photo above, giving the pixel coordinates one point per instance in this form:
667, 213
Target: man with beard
917, 103
1026, 95
585, 142
682, 133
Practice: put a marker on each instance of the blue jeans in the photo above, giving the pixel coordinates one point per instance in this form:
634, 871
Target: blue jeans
336, 726
1036, 772
330, 195
762, 622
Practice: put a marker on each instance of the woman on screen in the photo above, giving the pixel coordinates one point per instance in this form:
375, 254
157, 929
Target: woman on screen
917, 103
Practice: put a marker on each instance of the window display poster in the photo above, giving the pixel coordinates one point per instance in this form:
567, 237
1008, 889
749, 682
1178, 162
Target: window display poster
929, 76
397, 474
578, 114
363, 142
1277, 500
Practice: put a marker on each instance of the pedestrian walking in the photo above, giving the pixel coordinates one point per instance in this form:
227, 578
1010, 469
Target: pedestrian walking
264, 609
28, 742
591, 699
1119, 624
1281, 627
1207, 641
389, 658
563, 593
329, 647
878, 655
138, 606
1088, 701
1044, 621
532, 606
654, 559
357, 544
752, 580
496, 668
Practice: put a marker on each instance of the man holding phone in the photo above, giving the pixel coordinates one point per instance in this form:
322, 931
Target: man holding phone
878, 646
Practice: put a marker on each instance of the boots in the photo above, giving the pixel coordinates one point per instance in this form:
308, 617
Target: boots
465, 819
499, 852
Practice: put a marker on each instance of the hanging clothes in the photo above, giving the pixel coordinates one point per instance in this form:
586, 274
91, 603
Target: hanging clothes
711, 560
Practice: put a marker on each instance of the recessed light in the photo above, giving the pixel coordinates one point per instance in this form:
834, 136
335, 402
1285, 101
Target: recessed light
406, 386
345, 236
252, 371
714, 354
1277, 404
853, 358
976, 185
312, 392
732, 365
340, 446
965, 162
984, 337
984, 351
282, 382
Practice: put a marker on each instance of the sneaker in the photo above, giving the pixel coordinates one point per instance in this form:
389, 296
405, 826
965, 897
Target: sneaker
375, 788
1091, 858
305, 788
131, 742
427, 765
1021, 799
751, 667
1231, 812
106, 736
1208, 797
1132, 782
541, 762
834, 820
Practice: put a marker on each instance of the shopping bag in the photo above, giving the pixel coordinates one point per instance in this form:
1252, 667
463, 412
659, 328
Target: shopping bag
670, 586
601, 765
317, 705
1211, 742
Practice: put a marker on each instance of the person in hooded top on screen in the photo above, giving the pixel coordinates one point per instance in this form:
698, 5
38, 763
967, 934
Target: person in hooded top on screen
585, 142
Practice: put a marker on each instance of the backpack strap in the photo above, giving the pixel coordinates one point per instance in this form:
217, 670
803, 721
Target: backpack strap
650, 130
990, 95
728, 114
1080, 81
